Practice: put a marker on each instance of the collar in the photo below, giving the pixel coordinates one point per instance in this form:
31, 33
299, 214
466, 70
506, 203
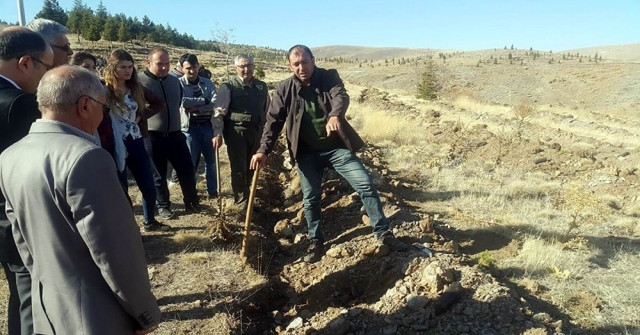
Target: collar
246, 84
153, 76
11, 81
70, 129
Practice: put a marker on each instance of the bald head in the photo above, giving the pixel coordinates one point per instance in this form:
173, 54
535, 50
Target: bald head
73, 95
24, 57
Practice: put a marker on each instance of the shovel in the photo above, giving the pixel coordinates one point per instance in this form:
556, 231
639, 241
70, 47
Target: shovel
219, 188
247, 221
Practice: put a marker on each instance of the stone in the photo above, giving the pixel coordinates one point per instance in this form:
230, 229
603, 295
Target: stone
283, 229
426, 225
542, 318
416, 302
355, 311
365, 220
295, 323
300, 216
335, 252
305, 314
391, 330
298, 238
382, 251
277, 316
339, 326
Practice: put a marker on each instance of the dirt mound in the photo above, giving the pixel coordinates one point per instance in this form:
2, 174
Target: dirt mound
361, 288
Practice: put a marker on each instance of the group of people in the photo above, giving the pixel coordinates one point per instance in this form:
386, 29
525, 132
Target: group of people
70, 245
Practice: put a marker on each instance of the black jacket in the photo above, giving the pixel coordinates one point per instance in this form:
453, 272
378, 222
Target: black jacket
18, 110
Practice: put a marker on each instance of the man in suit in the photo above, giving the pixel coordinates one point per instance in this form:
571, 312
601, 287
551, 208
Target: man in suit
73, 226
56, 35
24, 58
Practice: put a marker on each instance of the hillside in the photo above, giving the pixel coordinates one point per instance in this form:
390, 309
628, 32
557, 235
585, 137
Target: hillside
370, 53
521, 180
625, 52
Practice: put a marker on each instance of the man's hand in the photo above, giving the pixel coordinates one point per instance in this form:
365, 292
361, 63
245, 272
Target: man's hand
333, 124
217, 142
146, 331
257, 160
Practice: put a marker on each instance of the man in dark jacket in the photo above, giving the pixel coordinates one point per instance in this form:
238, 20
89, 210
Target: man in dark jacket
312, 104
166, 142
24, 58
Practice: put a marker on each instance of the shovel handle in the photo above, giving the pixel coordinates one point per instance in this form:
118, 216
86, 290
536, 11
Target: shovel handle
247, 221
219, 187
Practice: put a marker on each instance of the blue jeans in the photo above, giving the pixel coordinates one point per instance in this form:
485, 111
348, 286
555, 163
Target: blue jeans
199, 138
139, 164
311, 166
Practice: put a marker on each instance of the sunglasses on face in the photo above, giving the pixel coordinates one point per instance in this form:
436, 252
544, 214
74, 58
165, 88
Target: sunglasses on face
65, 48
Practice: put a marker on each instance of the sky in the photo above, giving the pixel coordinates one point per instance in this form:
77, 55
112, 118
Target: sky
443, 24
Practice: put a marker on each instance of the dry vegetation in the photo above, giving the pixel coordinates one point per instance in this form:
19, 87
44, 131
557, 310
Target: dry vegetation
539, 189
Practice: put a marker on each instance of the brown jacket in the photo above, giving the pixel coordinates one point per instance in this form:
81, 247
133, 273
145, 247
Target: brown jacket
287, 108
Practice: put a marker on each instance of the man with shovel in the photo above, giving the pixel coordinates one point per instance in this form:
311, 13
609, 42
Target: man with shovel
241, 106
312, 105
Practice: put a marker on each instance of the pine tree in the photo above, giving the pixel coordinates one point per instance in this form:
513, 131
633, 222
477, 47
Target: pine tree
101, 16
124, 31
92, 32
75, 18
110, 32
428, 86
51, 10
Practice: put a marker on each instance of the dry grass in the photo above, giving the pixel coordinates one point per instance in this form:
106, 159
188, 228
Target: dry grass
533, 206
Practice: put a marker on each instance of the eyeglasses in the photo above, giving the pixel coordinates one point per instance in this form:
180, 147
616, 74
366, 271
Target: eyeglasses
105, 107
65, 48
246, 66
47, 66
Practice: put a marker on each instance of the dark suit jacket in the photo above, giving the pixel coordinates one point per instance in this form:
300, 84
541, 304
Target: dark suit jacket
18, 110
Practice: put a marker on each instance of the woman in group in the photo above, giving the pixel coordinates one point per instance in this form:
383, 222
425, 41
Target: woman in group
128, 100
107, 133
86, 60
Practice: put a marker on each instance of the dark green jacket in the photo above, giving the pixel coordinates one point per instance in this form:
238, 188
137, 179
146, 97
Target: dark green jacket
247, 102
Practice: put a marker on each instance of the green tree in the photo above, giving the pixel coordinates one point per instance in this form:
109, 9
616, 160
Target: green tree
124, 31
101, 16
92, 32
146, 27
51, 10
110, 32
428, 83
259, 72
75, 18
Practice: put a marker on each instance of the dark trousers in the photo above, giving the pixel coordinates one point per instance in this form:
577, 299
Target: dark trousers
242, 143
19, 312
171, 147
139, 164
